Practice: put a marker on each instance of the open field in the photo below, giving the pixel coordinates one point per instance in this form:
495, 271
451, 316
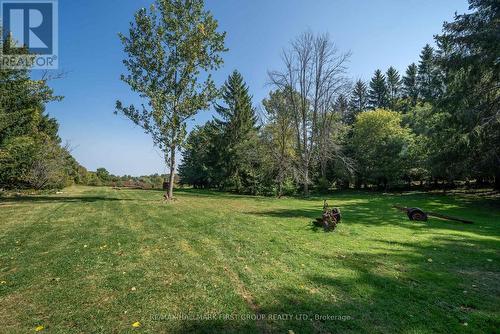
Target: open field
97, 260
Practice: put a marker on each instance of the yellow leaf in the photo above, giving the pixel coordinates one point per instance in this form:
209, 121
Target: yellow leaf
39, 328
136, 324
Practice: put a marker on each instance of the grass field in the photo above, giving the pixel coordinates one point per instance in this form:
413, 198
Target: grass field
98, 260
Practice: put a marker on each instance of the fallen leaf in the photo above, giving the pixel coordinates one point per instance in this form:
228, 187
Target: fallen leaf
133, 288
39, 328
136, 324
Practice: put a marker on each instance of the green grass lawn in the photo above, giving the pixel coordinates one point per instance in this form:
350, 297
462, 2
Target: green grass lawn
97, 260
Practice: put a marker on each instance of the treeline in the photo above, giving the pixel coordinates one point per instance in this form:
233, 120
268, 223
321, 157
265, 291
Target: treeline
437, 124
31, 154
101, 177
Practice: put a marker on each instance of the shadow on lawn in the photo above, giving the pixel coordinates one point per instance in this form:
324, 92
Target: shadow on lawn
63, 199
378, 211
400, 291
289, 213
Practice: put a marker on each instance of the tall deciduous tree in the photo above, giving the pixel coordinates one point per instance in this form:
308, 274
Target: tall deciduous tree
378, 94
381, 146
170, 49
313, 74
278, 134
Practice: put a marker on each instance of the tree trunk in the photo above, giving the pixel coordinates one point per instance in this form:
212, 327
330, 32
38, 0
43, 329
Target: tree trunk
170, 193
306, 179
323, 168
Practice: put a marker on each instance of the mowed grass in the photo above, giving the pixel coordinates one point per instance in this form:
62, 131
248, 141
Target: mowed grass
97, 260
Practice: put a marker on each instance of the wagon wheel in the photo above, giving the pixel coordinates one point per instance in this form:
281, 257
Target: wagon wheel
417, 216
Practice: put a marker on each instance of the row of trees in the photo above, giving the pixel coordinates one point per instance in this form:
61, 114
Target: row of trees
102, 177
439, 122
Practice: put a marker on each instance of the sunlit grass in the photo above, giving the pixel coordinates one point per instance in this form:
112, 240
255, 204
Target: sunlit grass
100, 260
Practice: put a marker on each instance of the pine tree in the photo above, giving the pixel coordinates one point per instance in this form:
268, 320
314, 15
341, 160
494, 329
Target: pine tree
358, 102
342, 105
378, 94
410, 85
239, 132
393, 87
429, 83
469, 56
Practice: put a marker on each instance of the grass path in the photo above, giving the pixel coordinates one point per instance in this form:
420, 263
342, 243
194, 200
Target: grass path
97, 260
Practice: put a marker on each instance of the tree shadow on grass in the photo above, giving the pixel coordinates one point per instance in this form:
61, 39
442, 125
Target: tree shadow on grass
399, 291
378, 211
289, 213
62, 199
217, 326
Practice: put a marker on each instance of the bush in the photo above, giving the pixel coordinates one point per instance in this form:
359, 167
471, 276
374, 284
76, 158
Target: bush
37, 163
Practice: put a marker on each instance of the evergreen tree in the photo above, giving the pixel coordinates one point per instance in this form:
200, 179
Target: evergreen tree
239, 133
30, 152
358, 101
378, 94
342, 105
200, 156
393, 87
359, 96
410, 85
469, 55
428, 78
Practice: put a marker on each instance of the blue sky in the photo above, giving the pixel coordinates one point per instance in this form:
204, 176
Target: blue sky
379, 33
